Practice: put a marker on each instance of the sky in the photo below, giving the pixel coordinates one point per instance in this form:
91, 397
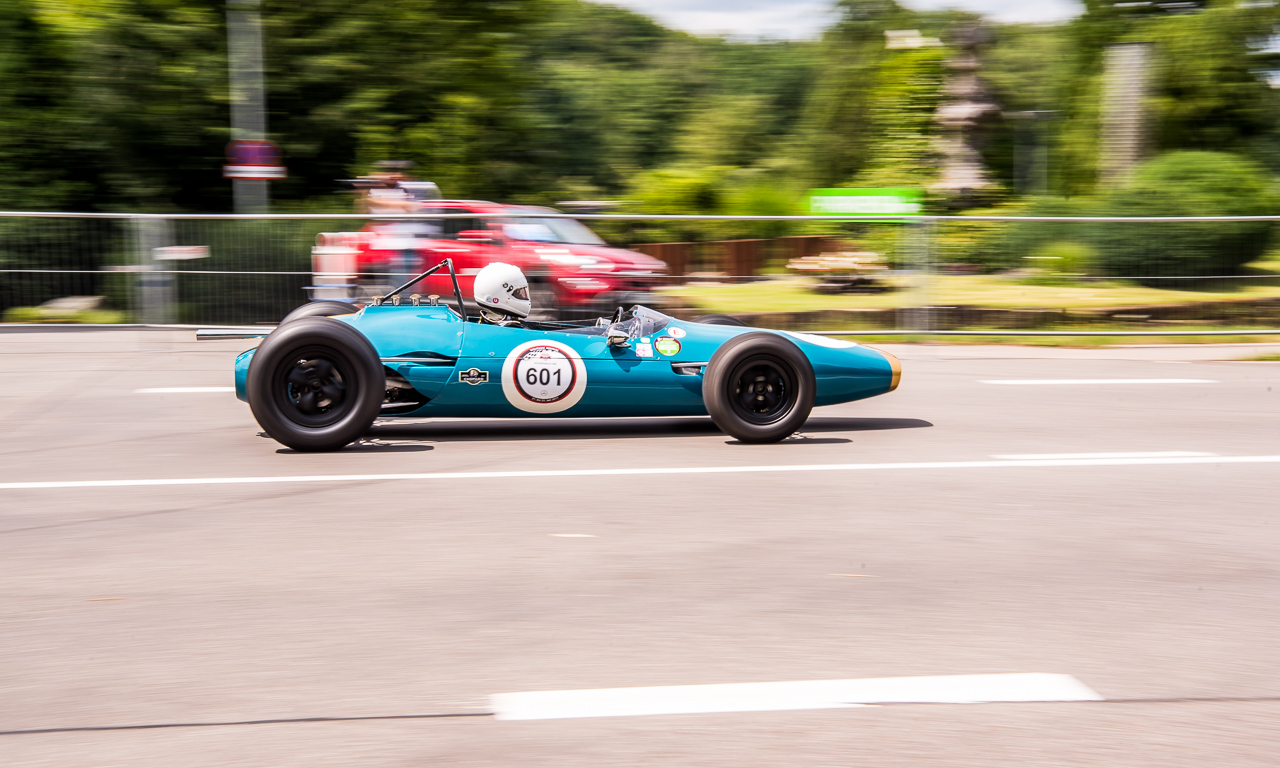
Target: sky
799, 19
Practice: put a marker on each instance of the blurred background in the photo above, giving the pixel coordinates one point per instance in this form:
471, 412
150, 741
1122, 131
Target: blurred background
1034, 109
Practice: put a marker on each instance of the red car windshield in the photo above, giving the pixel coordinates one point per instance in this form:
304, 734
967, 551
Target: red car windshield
550, 231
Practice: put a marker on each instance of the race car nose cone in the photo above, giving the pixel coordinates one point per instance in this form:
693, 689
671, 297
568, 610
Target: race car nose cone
895, 366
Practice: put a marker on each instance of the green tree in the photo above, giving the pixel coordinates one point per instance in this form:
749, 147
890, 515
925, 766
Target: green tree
435, 81
1029, 68
1209, 92
150, 97
40, 168
1208, 88
901, 103
832, 143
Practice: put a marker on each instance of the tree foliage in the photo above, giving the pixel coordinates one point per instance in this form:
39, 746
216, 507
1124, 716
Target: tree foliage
123, 104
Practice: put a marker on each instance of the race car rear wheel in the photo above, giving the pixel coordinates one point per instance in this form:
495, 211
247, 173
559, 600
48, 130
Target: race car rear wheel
719, 320
325, 308
759, 388
315, 384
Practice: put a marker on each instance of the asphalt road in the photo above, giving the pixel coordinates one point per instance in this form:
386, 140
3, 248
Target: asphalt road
368, 603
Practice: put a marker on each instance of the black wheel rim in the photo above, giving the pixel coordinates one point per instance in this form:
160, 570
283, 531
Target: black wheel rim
762, 389
314, 386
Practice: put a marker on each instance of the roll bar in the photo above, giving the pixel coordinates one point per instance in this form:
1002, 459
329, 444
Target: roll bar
453, 276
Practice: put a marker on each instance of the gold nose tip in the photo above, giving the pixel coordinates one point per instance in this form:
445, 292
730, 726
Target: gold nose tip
894, 365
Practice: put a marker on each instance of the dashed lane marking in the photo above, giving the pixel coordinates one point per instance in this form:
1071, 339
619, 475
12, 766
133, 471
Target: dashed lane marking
537, 473
181, 390
1119, 455
802, 694
1032, 382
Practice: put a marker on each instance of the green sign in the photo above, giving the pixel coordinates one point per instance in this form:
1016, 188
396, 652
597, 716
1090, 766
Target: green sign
864, 202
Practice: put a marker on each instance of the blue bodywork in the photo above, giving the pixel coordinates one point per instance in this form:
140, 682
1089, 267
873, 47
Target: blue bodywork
457, 366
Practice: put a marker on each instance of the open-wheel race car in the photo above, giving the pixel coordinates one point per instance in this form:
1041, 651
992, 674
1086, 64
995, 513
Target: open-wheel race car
320, 379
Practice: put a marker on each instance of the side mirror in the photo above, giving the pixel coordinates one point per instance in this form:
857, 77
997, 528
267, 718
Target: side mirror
618, 338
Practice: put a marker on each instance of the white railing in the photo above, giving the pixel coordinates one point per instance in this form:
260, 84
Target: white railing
258, 267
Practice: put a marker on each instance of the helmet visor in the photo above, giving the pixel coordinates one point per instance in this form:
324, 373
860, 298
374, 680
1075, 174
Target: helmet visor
521, 293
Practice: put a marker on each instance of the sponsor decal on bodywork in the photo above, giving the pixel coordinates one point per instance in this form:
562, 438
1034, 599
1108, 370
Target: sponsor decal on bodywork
473, 376
667, 346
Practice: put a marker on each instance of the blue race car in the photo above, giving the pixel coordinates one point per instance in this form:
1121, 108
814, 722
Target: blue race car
320, 379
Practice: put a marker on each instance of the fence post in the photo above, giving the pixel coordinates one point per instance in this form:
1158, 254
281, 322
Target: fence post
154, 289
926, 275
916, 245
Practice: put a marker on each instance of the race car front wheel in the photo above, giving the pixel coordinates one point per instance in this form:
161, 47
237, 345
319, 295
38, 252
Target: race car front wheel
759, 388
315, 384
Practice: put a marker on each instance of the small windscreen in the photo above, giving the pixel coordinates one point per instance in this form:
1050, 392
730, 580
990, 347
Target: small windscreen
641, 321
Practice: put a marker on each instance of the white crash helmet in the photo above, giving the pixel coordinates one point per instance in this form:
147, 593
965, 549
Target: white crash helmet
502, 292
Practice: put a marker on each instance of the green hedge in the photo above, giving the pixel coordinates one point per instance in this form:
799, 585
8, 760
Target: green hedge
1187, 184
1176, 184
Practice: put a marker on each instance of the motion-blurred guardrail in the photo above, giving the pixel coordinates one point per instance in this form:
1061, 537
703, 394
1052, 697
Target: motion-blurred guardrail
952, 275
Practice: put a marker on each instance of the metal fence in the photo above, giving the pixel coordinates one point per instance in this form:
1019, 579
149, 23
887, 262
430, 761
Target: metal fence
875, 275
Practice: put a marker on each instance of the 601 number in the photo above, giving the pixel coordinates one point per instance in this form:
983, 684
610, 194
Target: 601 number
543, 376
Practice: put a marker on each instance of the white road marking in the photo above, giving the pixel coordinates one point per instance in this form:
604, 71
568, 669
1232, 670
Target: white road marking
1096, 381
1128, 455
802, 694
1253, 344
906, 465
180, 390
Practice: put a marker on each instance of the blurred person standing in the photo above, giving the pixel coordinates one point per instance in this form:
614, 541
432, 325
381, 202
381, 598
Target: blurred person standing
389, 192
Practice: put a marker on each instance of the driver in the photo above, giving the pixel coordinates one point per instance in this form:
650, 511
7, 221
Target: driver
502, 292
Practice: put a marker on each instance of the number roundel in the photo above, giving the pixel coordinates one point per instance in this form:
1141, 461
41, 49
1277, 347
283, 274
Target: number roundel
543, 377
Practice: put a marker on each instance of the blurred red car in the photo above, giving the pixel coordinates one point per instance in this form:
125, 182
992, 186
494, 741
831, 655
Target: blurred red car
572, 271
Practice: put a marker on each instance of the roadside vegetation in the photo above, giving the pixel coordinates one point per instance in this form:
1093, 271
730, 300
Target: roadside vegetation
796, 294
123, 106
1066, 342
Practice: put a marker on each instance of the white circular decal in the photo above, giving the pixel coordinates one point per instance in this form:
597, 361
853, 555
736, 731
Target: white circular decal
543, 377
676, 331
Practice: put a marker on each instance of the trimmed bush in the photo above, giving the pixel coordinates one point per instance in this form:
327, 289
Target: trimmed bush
1186, 184
1176, 184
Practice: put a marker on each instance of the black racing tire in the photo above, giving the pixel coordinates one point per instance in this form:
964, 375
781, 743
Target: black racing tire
759, 388
324, 308
720, 320
316, 384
